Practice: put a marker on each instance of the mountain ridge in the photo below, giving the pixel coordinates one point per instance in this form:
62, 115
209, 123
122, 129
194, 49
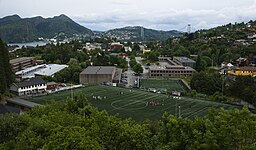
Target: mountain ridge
140, 33
16, 29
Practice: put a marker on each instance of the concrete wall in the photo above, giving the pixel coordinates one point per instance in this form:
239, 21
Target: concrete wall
95, 78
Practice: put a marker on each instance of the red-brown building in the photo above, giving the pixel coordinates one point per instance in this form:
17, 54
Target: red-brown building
52, 86
115, 46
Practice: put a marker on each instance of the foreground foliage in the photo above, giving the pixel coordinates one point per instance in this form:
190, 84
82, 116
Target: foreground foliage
75, 124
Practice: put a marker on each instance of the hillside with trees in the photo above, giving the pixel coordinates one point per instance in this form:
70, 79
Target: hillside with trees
135, 34
14, 29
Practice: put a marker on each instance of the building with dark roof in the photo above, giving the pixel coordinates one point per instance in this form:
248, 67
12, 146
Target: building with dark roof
184, 61
22, 63
21, 104
5, 109
30, 87
97, 74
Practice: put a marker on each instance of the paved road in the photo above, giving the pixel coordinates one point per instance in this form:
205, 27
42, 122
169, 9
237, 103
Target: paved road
130, 77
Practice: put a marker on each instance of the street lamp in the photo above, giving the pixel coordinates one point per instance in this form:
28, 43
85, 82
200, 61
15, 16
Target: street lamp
222, 85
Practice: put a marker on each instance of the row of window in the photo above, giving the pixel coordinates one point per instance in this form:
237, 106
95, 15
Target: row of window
33, 86
169, 71
170, 75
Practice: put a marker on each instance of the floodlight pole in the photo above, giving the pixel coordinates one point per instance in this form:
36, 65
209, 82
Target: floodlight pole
138, 80
176, 107
71, 91
179, 111
222, 86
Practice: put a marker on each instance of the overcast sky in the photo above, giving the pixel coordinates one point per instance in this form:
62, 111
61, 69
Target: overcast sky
157, 14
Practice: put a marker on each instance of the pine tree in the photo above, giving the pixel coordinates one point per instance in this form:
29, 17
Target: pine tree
6, 74
3, 84
9, 75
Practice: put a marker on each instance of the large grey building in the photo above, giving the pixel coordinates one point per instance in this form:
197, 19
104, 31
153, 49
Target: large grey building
22, 62
176, 67
184, 61
97, 74
170, 71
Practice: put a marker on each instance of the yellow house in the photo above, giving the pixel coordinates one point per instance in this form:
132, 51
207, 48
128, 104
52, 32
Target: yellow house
146, 51
243, 71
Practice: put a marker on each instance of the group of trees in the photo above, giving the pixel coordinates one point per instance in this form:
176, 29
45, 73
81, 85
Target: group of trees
220, 87
6, 74
242, 87
75, 124
136, 67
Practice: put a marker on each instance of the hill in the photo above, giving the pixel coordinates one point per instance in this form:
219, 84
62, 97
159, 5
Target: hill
16, 29
135, 34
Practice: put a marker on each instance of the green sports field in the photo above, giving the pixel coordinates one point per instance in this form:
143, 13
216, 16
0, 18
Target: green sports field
163, 84
137, 104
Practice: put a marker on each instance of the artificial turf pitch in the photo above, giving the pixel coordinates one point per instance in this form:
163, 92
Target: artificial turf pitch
162, 84
135, 103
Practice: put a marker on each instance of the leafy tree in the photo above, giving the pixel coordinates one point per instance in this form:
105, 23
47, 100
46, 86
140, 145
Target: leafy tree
206, 83
132, 63
137, 68
200, 64
153, 56
242, 87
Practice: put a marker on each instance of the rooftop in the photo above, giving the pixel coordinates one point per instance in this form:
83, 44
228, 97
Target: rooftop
29, 69
98, 70
22, 102
17, 60
247, 68
30, 82
50, 69
4, 109
184, 59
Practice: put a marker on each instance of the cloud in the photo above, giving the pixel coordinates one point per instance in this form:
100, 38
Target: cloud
168, 19
160, 14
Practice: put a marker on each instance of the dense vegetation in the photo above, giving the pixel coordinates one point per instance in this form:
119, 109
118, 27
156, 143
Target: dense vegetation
75, 124
6, 74
14, 29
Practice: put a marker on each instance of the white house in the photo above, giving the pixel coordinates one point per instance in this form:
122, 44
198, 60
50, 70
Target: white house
30, 87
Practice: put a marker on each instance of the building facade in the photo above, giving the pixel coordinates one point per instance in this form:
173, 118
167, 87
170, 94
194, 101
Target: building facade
30, 87
176, 67
97, 74
243, 71
170, 71
22, 63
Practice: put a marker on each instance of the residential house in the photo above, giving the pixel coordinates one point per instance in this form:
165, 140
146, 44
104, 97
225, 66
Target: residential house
243, 71
30, 87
